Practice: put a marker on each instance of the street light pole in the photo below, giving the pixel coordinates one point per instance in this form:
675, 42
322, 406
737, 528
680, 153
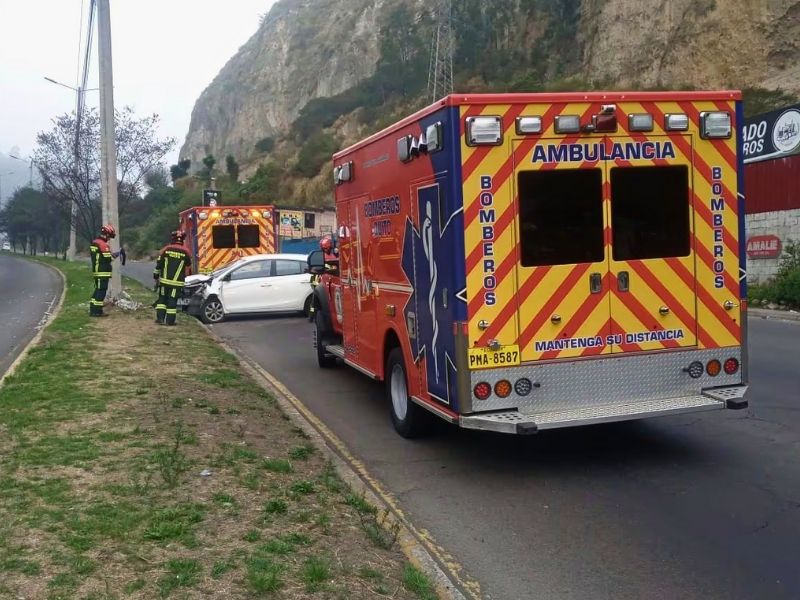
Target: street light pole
73, 212
30, 174
108, 154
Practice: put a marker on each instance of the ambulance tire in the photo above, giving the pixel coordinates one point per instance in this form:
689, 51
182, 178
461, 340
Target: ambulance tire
409, 419
324, 360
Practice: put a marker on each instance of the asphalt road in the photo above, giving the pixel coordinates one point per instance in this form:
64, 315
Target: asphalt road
697, 506
28, 291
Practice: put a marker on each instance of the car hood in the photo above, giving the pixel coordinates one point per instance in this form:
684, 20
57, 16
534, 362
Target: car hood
197, 279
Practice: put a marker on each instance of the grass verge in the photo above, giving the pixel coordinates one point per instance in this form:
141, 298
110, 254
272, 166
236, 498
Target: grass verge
141, 462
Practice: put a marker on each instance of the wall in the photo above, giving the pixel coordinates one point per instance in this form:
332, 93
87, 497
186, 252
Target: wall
772, 201
782, 223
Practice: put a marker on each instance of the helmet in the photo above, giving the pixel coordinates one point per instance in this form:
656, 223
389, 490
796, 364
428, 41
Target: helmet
108, 231
178, 236
326, 244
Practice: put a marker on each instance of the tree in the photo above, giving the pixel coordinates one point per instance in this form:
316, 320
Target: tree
34, 223
65, 179
180, 170
209, 161
232, 167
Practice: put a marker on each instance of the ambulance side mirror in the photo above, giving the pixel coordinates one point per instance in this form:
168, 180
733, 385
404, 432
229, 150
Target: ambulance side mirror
316, 262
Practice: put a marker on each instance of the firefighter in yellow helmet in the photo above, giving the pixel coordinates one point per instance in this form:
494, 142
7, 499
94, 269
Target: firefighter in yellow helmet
173, 265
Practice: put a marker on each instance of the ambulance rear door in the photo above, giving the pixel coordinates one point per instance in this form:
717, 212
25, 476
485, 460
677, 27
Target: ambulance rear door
652, 261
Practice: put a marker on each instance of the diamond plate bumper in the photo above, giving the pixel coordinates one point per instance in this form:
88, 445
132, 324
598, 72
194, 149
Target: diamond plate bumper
513, 421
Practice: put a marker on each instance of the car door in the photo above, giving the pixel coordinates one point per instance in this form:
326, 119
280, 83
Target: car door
289, 285
244, 288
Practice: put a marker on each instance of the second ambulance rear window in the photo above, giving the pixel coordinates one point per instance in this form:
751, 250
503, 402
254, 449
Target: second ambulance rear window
561, 217
223, 236
248, 236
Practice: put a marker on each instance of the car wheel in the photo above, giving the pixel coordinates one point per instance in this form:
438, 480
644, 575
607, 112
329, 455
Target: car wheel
409, 419
212, 311
307, 305
324, 360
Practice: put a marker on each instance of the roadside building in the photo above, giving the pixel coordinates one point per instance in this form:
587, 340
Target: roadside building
299, 230
771, 151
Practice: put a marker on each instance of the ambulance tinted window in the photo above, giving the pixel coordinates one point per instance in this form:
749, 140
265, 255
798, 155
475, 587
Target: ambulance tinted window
561, 217
248, 236
223, 236
650, 212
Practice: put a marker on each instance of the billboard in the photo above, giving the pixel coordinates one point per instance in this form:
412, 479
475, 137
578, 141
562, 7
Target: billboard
771, 135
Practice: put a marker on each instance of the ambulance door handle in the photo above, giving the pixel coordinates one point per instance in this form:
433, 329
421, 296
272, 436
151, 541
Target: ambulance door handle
623, 281
595, 283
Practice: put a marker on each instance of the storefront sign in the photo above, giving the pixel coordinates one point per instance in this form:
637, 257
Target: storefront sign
764, 246
771, 135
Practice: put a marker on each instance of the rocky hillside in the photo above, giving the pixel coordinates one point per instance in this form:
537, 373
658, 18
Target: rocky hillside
321, 73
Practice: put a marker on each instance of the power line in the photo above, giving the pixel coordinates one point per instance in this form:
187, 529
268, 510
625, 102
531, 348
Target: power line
440, 72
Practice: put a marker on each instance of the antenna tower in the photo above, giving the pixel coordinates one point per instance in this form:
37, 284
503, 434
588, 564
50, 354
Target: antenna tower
440, 74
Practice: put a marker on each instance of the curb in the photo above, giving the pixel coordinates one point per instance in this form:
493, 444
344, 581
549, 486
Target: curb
775, 315
50, 314
418, 546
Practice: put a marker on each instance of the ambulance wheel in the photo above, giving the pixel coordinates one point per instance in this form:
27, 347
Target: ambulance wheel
324, 360
409, 419
211, 311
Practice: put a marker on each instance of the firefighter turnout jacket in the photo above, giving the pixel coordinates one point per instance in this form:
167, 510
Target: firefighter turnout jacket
173, 265
100, 253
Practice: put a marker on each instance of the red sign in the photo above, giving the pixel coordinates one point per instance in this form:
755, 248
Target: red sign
764, 246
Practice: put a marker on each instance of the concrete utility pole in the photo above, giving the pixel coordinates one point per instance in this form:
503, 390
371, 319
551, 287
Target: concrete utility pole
108, 149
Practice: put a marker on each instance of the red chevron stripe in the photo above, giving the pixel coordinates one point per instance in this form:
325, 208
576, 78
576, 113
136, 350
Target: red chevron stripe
688, 320
579, 318
719, 312
576, 273
705, 213
602, 332
697, 160
511, 308
715, 309
615, 327
727, 155
480, 153
472, 209
640, 312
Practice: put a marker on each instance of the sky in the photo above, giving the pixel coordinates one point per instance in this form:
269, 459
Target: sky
165, 53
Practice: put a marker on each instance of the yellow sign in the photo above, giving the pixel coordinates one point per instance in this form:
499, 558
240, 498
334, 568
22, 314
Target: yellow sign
486, 358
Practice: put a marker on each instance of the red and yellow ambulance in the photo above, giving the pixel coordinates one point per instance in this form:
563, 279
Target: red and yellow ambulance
519, 262
218, 235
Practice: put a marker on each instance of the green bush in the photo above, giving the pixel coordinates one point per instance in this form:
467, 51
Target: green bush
784, 288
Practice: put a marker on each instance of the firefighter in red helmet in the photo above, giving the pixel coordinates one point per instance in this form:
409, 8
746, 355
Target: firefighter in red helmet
173, 265
102, 256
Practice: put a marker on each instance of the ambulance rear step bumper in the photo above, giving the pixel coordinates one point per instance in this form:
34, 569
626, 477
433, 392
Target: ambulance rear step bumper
515, 422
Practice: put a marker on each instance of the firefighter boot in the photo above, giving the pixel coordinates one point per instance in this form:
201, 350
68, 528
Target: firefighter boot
98, 297
171, 304
161, 305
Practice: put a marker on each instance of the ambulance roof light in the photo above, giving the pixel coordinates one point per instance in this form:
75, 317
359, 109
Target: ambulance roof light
484, 131
568, 124
531, 124
640, 122
715, 125
676, 122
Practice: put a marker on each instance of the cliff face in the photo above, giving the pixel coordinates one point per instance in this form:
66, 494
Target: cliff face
360, 54
304, 49
702, 43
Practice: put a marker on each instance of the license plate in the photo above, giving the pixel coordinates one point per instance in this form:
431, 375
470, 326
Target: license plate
486, 358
